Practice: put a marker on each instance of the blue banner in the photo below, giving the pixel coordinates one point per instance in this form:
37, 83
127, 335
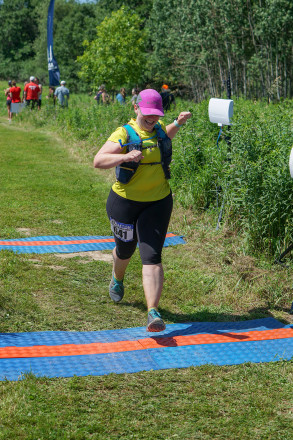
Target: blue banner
54, 74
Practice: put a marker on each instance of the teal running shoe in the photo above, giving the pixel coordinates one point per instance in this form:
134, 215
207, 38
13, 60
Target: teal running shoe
116, 290
155, 322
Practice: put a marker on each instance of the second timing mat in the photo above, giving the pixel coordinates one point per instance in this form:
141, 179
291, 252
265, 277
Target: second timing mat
55, 243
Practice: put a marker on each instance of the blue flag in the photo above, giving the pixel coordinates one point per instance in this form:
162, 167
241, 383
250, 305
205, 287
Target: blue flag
54, 74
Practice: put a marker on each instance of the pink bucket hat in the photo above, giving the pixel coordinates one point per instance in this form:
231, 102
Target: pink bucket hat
150, 102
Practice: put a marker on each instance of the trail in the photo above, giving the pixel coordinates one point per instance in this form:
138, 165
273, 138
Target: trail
44, 189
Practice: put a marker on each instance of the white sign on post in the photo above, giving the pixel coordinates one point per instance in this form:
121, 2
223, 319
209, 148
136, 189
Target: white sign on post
221, 111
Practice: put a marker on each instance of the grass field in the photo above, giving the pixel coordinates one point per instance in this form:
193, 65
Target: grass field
47, 188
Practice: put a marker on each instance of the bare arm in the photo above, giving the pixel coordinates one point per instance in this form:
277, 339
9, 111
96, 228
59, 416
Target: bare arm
110, 155
172, 129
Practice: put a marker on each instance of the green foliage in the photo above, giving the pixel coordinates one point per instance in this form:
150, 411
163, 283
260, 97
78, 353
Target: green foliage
116, 57
194, 45
198, 43
17, 33
260, 192
23, 37
141, 7
196, 161
73, 23
250, 177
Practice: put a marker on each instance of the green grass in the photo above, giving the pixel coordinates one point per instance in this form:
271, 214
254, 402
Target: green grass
49, 191
244, 402
49, 187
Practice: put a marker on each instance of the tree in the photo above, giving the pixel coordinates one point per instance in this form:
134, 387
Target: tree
141, 7
17, 33
73, 22
116, 56
198, 43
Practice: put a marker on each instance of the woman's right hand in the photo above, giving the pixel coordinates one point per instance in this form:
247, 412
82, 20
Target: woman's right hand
133, 156
110, 155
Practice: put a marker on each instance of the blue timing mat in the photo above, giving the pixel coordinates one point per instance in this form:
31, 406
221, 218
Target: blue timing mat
65, 354
43, 245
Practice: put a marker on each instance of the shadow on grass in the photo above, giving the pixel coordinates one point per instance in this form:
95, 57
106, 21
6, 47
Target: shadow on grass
208, 316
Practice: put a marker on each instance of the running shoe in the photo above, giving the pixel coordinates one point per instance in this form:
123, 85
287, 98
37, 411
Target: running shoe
116, 290
155, 322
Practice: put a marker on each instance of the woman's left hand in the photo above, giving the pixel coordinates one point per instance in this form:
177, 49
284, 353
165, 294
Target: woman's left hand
182, 118
172, 129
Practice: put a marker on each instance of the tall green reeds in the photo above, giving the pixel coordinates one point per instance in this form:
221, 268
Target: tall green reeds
245, 177
247, 174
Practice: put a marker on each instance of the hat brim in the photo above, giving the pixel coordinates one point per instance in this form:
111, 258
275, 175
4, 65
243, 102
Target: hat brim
151, 111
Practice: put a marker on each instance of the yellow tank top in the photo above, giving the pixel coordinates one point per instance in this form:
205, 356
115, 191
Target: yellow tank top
148, 183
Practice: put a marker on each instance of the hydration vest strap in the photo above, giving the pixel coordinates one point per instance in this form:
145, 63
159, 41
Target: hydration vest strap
126, 171
131, 133
160, 131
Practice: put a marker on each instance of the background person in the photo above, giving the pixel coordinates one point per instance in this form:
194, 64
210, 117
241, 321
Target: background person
167, 97
121, 96
98, 95
139, 208
134, 93
105, 98
40, 93
62, 94
23, 97
15, 94
31, 93
8, 99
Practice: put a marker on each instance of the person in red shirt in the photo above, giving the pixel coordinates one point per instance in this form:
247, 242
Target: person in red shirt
31, 93
15, 94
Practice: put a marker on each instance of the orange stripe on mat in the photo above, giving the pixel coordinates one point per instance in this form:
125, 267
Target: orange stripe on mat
141, 344
56, 242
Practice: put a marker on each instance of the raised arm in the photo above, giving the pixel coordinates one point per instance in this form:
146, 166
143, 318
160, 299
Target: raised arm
172, 129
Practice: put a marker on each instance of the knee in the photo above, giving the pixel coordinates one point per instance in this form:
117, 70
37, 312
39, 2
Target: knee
124, 254
151, 257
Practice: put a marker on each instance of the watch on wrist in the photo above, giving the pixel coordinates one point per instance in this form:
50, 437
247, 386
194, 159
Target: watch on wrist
176, 123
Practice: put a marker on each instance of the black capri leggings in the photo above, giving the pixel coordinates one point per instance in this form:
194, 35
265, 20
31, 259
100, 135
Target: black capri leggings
145, 223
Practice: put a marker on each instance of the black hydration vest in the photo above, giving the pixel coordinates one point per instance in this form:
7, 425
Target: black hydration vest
126, 170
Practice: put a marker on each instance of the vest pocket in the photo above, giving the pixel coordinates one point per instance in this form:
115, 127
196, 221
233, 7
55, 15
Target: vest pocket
124, 174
